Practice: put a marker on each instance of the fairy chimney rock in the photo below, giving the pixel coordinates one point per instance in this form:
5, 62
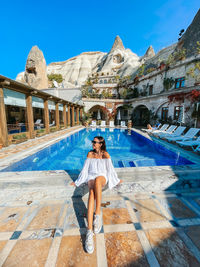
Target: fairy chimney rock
150, 52
35, 73
191, 37
117, 44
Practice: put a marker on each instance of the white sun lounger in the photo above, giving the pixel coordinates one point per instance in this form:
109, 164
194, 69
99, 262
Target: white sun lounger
38, 121
93, 124
168, 131
177, 132
163, 128
38, 124
153, 128
190, 143
188, 136
52, 124
111, 124
123, 125
103, 124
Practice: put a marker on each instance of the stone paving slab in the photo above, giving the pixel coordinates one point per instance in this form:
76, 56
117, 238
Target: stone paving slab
136, 232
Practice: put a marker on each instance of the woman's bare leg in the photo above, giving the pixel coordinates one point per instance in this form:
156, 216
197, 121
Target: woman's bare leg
91, 200
100, 181
90, 209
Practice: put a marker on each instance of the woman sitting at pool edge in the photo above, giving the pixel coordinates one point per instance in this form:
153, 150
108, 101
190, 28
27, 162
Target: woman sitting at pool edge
97, 171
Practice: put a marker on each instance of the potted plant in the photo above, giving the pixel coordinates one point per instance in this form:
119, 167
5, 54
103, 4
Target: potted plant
136, 80
162, 65
53, 129
86, 118
99, 122
61, 127
40, 132
19, 138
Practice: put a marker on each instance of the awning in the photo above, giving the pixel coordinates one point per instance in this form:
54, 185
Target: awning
14, 98
61, 107
51, 105
37, 102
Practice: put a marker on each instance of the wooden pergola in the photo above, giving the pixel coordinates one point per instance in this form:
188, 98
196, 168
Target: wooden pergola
68, 116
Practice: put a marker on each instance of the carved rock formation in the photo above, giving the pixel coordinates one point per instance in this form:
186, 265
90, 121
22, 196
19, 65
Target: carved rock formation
150, 52
117, 44
191, 36
35, 73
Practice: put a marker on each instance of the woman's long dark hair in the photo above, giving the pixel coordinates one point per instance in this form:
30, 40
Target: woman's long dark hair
102, 141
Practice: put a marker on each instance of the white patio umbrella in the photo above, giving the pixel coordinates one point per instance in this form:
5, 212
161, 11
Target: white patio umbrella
119, 115
98, 115
181, 118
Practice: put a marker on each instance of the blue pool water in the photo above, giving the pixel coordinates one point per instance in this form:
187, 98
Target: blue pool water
127, 149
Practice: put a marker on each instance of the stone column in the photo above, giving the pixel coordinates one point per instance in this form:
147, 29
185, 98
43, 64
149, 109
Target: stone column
57, 116
68, 116
3, 121
77, 116
73, 123
64, 115
46, 115
29, 111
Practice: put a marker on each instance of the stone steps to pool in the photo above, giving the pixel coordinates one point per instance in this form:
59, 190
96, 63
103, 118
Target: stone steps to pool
38, 185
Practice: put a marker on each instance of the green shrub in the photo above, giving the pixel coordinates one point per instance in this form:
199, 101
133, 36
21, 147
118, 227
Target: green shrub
41, 131
141, 70
168, 83
53, 129
55, 77
150, 69
180, 54
19, 136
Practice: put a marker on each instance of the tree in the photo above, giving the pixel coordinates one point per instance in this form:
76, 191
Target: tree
55, 77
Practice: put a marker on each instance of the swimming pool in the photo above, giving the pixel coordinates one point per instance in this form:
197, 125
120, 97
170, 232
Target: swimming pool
126, 148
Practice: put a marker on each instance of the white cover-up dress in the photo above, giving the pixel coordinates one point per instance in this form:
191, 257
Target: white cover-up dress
94, 167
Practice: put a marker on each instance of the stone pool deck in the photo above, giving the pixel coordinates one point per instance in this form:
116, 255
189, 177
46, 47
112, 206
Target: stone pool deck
138, 230
151, 219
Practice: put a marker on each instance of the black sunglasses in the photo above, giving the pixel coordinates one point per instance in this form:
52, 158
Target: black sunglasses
94, 142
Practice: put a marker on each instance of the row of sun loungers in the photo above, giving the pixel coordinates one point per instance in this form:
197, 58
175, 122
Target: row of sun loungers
175, 134
111, 124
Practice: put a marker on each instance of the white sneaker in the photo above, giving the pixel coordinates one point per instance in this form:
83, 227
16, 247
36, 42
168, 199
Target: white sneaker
97, 223
89, 243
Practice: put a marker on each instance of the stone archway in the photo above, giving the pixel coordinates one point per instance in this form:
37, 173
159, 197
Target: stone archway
124, 113
140, 115
94, 111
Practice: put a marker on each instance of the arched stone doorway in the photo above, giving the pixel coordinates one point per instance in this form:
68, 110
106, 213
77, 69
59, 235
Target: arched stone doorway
94, 112
140, 116
122, 114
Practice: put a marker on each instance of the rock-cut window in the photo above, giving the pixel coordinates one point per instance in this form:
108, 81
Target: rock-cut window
180, 82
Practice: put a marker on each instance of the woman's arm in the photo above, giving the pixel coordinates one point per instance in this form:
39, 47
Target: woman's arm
84, 172
107, 156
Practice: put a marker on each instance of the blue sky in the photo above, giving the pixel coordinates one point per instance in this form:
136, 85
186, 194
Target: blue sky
63, 29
